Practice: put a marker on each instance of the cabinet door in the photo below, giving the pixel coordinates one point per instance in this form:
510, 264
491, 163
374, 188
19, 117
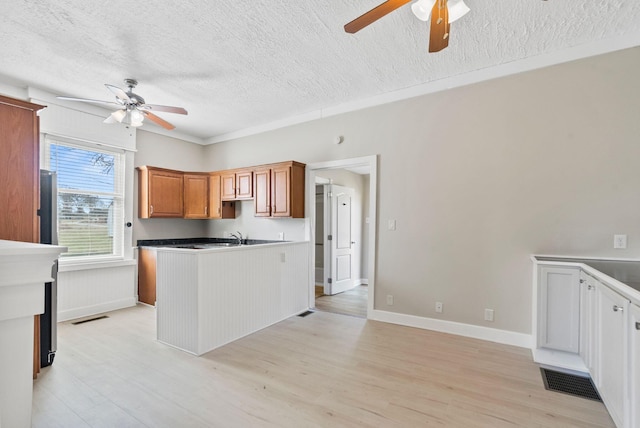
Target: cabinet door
262, 190
559, 309
588, 312
19, 171
612, 351
147, 276
196, 195
244, 184
228, 186
634, 364
165, 194
215, 197
281, 191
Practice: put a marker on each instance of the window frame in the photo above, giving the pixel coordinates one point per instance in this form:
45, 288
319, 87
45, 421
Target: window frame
120, 177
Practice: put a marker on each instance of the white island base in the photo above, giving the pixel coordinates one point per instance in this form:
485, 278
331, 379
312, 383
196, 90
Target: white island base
209, 297
24, 268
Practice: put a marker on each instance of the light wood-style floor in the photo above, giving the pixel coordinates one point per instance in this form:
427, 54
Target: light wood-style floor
351, 302
323, 370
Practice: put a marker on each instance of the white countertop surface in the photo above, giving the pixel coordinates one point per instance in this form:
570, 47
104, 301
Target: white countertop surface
17, 248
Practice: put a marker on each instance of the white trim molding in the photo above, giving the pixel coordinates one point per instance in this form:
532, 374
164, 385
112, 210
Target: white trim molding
505, 337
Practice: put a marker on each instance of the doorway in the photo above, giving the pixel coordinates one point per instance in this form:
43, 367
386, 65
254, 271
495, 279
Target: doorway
343, 255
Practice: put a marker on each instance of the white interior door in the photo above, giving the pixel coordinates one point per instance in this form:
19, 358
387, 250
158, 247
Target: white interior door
341, 243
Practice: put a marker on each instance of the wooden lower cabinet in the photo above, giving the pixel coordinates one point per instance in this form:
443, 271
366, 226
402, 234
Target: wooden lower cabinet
147, 276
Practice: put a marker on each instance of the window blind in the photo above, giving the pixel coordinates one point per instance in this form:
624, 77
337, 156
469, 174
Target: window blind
90, 197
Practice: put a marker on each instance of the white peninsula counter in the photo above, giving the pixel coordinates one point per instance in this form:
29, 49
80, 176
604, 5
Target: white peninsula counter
24, 268
209, 297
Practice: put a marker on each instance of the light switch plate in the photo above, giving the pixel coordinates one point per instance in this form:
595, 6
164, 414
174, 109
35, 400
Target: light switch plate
391, 225
619, 241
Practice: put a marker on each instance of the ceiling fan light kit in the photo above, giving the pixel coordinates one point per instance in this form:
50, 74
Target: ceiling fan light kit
440, 12
422, 9
132, 109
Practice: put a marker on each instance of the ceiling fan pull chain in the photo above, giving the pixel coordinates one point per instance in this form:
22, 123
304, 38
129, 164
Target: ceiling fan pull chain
446, 34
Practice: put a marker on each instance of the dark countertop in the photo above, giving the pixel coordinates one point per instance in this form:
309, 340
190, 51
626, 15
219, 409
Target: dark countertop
189, 241
627, 272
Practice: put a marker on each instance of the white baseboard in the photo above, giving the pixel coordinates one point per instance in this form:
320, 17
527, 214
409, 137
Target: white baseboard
467, 330
96, 309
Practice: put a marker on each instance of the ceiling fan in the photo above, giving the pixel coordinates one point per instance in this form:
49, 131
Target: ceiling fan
132, 109
442, 13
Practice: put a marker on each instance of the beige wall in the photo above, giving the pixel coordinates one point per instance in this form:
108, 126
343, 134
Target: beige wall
480, 177
166, 152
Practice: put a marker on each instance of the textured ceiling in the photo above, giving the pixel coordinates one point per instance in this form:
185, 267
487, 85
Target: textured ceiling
239, 64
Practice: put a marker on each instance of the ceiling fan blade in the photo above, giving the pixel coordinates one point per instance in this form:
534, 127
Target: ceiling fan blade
373, 15
87, 100
157, 120
439, 32
119, 93
168, 109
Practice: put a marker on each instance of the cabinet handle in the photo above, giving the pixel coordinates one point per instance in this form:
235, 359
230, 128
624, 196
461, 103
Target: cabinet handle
617, 308
205, 210
151, 206
582, 281
590, 287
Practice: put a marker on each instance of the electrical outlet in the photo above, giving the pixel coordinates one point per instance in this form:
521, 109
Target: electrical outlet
281, 236
488, 314
391, 225
439, 307
619, 241
389, 299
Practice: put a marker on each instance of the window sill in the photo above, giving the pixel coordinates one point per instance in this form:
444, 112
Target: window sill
70, 265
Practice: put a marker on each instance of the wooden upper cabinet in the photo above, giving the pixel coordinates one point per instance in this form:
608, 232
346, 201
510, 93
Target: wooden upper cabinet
237, 184
196, 195
262, 191
279, 190
19, 170
228, 183
217, 207
244, 184
160, 193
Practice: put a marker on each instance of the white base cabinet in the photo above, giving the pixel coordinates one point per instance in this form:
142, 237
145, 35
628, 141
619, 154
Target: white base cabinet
612, 351
559, 301
590, 322
634, 365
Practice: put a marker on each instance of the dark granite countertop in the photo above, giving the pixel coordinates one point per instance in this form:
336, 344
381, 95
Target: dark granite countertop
190, 241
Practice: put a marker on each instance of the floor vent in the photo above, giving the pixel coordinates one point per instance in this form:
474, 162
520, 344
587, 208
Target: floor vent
579, 386
305, 313
82, 321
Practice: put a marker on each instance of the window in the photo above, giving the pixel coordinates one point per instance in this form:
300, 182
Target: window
90, 197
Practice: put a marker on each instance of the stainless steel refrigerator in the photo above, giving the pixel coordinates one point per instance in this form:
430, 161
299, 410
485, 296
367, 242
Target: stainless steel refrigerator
48, 213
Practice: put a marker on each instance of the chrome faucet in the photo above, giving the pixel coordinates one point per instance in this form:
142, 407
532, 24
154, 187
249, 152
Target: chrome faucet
237, 236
